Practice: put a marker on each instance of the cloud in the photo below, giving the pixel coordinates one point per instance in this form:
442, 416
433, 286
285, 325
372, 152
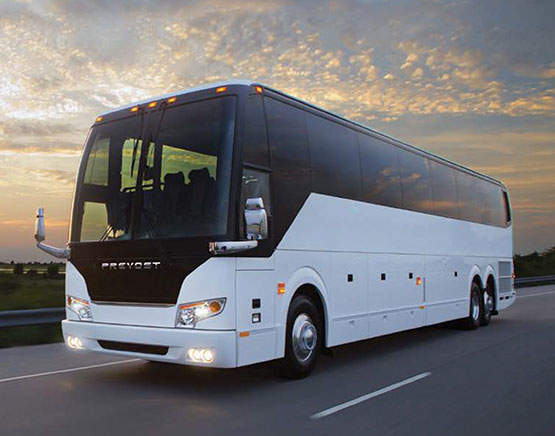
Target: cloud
379, 62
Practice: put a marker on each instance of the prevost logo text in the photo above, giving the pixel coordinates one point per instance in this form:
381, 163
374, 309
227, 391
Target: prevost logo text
147, 265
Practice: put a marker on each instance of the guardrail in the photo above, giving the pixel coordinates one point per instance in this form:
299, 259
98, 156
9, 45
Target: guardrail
17, 318
533, 280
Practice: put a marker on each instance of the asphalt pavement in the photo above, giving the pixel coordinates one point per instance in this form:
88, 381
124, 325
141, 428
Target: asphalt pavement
499, 379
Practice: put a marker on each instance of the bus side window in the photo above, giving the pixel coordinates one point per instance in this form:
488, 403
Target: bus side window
508, 217
255, 183
415, 182
381, 178
334, 158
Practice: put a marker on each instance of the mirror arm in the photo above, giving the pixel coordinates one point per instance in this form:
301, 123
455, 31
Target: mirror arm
228, 247
60, 253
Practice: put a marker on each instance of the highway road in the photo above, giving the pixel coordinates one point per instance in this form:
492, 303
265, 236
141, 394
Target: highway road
498, 379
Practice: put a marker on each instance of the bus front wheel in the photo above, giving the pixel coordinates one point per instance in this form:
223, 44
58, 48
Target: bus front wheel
303, 339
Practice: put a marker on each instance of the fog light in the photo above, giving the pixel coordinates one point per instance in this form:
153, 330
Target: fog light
201, 355
74, 342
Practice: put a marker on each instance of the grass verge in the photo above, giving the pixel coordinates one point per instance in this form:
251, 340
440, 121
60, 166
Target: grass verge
30, 335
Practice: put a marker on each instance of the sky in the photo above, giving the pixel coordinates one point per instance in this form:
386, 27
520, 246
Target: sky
472, 81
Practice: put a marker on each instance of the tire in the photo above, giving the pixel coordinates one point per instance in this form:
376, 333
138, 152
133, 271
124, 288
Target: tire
472, 322
303, 339
487, 305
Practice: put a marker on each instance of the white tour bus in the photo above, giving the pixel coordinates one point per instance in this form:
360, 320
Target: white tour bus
231, 224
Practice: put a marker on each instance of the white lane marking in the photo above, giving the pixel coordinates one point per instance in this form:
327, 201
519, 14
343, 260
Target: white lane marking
535, 295
61, 371
358, 400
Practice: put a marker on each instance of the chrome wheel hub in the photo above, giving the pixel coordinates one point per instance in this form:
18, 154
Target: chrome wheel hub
488, 302
303, 337
475, 307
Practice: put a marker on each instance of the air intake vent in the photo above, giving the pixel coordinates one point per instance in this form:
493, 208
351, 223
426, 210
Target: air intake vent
505, 277
505, 269
133, 348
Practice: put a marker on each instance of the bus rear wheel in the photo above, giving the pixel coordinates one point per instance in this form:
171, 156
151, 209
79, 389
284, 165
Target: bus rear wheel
473, 320
487, 306
303, 339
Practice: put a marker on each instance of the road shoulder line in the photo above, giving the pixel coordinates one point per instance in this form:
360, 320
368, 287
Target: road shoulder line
62, 371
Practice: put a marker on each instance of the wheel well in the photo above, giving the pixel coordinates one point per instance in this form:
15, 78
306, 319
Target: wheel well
312, 293
478, 281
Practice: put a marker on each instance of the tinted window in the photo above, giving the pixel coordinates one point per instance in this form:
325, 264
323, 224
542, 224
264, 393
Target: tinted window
96, 172
381, 180
103, 195
334, 158
181, 182
255, 144
415, 182
186, 189
492, 208
507, 208
444, 190
468, 189
254, 184
290, 163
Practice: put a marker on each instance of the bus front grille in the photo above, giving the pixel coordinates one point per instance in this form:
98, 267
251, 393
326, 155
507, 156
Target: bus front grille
133, 348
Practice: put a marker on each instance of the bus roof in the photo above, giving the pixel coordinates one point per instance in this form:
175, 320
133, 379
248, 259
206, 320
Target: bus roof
246, 82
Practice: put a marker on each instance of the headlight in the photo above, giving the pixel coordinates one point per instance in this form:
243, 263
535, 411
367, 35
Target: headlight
189, 314
80, 307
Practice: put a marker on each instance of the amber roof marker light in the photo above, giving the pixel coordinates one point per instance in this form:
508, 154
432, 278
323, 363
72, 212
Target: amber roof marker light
172, 100
134, 108
152, 104
99, 119
258, 89
221, 89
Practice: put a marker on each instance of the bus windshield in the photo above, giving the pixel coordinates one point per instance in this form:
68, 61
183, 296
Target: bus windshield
159, 175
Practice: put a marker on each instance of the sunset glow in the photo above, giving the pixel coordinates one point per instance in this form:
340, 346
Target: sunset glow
458, 79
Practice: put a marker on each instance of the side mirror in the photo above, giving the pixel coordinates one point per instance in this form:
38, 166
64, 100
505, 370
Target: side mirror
61, 253
256, 219
39, 225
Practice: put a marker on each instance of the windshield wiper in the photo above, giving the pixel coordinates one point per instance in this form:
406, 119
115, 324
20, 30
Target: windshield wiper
135, 147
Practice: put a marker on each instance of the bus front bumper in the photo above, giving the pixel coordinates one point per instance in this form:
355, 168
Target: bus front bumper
179, 342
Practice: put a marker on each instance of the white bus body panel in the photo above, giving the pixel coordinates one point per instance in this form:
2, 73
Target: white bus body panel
342, 248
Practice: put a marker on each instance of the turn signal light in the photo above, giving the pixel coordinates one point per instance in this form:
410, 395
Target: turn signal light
418, 280
281, 288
